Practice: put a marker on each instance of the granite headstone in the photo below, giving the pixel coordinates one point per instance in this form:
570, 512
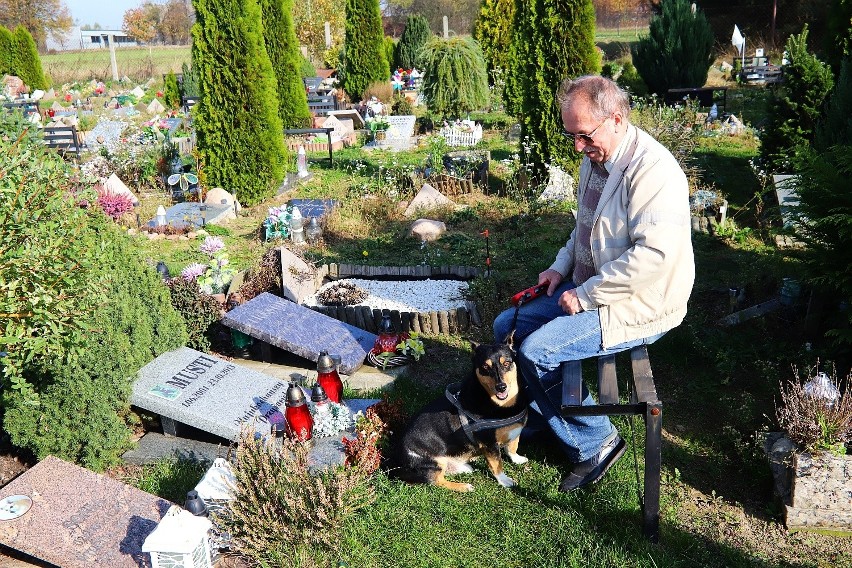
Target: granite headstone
210, 394
80, 519
313, 207
300, 330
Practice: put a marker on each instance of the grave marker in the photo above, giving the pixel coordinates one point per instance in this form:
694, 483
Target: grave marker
301, 330
80, 519
299, 280
401, 127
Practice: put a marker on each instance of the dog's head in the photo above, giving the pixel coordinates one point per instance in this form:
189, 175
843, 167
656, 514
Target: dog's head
494, 367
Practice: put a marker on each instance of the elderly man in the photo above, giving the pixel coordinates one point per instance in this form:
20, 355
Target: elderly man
622, 279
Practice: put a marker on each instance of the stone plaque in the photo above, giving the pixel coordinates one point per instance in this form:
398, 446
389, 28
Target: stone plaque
208, 393
301, 330
298, 278
313, 207
80, 519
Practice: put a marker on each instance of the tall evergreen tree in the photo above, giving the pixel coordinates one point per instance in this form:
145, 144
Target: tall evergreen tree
455, 81
413, 38
240, 136
493, 31
796, 106
552, 40
838, 36
364, 59
283, 49
835, 127
7, 42
678, 50
26, 62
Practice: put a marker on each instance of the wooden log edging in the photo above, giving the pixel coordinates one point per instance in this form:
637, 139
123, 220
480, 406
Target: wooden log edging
337, 271
445, 322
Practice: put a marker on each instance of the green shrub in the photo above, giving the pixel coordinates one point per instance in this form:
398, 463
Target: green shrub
455, 81
835, 126
838, 32
199, 311
67, 379
413, 38
26, 62
382, 90
171, 91
493, 32
189, 85
678, 50
306, 68
796, 107
283, 49
13, 125
390, 47
401, 106
364, 60
239, 130
7, 42
631, 81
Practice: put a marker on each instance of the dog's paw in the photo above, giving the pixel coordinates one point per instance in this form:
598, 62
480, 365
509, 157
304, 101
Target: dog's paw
505, 480
467, 487
518, 458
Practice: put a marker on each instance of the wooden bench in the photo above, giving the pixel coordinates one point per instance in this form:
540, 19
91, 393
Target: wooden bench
65, 139
27, 107
321, 105
327, 132
189, 102
643, 401
706, 96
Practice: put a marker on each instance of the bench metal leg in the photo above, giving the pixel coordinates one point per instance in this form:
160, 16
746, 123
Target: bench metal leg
170, 427
653, 459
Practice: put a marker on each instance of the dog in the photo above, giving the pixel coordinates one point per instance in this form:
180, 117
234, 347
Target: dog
479, 416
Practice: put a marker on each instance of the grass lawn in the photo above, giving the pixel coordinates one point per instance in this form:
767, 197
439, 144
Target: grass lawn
718, 386
138, 63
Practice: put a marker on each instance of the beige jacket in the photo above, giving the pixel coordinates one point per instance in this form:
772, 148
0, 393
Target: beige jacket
641, 244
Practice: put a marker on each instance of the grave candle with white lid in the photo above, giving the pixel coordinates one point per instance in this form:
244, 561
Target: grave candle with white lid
179, 541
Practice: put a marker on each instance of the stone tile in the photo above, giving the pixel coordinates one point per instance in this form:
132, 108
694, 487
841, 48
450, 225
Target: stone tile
298, 278
154, 446
300, 330
208, 393
80, 519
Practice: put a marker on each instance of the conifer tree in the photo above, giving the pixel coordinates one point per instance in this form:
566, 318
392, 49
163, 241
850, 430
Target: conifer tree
678, 50
239, 132
283, 49
796, 106
838, 36
835, 126
364, 59
551, 41
455, 81
493, 32
7, 42
171, 91
413, 38
26, 62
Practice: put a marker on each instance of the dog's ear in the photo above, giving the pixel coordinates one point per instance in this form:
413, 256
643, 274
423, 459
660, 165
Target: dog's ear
510, 340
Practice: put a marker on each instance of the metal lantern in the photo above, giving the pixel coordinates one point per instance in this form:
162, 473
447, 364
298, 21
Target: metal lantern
195, 504
300, 424
318, 394
328, 378
179, 541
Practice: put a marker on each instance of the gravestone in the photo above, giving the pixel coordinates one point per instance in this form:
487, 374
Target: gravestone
357, 119
300, 330
340, 131
560, 186
79, 519
138, 92
189, 387
313, 207
401, 127
114, 185
298, 278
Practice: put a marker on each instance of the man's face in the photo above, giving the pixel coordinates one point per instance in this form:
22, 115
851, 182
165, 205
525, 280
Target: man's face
605, 137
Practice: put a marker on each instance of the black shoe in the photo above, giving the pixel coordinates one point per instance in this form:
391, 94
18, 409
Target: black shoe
595, 467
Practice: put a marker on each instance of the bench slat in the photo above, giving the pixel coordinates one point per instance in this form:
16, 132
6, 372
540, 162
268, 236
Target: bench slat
643, 379
607, 383
572, 383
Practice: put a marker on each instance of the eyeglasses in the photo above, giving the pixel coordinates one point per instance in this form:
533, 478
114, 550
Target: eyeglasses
585, 138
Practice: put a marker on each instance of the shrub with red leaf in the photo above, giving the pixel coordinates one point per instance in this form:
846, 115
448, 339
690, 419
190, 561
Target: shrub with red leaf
114, 204
364, 451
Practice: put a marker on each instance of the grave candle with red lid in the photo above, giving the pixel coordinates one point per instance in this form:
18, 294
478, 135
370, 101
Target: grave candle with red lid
300, 424
328, 378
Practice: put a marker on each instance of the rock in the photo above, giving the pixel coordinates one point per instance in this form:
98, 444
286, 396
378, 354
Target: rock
216, 195
427, 229
100, 138
427, 198
156, 107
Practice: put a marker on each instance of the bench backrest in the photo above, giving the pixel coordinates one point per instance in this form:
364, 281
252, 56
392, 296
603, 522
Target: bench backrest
26, 107
63, 138
189, 102
321, 105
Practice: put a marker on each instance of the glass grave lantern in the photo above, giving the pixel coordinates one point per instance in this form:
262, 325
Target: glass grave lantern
297, 227
313, 231
180, 541
300, 424
328, 378
388, 338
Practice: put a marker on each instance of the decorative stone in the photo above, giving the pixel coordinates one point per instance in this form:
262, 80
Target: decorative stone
156, 107
427, 229
80, 519
153, 447
216, 195
114, 185
560, 186
299, 330
427, 198
357, 119
205, 392
298, 278
138, 92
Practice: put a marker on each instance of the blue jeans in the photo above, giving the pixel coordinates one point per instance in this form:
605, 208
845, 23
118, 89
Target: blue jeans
545, 336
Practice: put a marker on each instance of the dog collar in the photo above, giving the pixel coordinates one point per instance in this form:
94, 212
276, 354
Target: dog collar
472, 424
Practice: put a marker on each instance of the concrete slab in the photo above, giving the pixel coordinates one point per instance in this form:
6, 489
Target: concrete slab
153, 447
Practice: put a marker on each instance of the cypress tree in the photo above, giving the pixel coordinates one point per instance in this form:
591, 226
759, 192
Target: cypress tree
390, 47
835, 127
493, 31
171, 91
838, 36
796, 107
455, 81
552, 40
7, 41
678, 51
239, 132
364, 60
283, 49
413, 38
26, 63
189, 85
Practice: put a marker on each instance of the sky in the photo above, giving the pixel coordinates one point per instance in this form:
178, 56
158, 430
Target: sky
108, 13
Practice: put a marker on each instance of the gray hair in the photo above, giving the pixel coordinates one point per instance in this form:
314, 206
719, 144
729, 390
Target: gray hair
604, 95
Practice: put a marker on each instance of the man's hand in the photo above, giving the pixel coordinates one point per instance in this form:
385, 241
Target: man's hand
551, 276
569, 302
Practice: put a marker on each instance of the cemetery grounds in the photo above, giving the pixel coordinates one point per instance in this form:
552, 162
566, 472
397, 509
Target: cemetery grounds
718, 385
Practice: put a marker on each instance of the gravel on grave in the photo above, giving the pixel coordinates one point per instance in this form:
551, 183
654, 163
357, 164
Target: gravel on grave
406, 295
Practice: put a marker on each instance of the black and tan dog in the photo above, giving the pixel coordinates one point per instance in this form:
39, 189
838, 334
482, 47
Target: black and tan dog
478, 416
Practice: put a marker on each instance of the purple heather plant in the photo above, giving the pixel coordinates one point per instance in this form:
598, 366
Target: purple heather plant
114, 204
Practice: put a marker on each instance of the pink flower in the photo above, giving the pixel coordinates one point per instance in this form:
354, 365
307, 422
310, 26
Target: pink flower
211, 246
193, 271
